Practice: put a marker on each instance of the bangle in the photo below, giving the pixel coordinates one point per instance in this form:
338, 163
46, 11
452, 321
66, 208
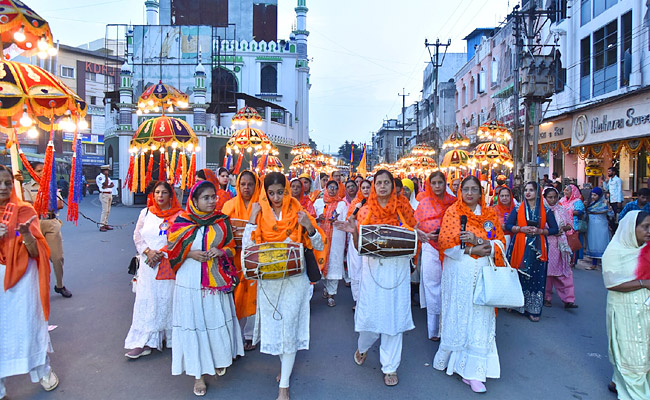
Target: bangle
640, 283
470, 250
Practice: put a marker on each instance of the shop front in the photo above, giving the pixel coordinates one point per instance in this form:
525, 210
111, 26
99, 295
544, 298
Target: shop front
616, 133
555, 147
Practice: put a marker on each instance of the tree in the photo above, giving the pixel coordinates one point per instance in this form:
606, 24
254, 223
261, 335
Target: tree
344, 152
313, 144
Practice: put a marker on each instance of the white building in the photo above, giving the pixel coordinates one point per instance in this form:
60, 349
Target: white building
271, 76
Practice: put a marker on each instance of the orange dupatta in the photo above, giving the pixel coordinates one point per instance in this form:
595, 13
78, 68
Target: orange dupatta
271, 230
245, 294
480, 225
353, 204
331, 203
519, 247
14, 255
222, 195
398, 211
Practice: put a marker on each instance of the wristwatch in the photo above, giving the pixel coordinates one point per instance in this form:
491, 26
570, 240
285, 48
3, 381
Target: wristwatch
479, 241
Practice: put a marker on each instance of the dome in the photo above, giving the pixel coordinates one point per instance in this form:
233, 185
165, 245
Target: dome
200, 69
126, 68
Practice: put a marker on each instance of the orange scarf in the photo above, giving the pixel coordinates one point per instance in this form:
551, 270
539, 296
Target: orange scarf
313, 196
519, 247
397, 212
479, 225
353, 204
304, 200
153, 206
14, 255
236, 208
271, 230
222, 195
331, 202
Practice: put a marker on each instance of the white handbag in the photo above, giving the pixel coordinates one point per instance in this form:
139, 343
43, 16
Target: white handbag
498, 287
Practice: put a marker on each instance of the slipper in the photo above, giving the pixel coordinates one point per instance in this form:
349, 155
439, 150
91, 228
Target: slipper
391, 379
220, 371
533, 318
611, 386
138, 352
570, 305
547, 303
331, 302
360, 358
248, 345
476, 386
50, 382
435, 339
199, 387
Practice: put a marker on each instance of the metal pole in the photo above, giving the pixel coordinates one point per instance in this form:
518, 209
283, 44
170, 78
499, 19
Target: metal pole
537, 114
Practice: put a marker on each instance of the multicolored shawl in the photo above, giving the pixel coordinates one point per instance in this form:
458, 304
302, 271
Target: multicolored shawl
484, 226
525, 214
431, 209
624, 260
599, 206
14, 255
215, 274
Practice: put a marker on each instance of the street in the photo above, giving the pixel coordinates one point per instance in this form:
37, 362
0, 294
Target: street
562, 357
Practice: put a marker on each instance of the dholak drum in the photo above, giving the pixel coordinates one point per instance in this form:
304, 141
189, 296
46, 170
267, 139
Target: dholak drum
274, 260
238, 226
385, 241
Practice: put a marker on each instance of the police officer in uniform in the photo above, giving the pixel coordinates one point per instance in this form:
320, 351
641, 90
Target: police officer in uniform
105, 186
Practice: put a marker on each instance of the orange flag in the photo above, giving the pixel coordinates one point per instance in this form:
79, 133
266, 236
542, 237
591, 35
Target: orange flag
361, 169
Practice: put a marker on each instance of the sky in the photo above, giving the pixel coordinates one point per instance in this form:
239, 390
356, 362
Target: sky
363, 52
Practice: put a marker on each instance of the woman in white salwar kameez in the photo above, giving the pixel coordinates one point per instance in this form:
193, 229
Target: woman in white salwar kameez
468, 334
152, 310
329, 209
207, 335
384, 304
353, 257
282, 324
25, 296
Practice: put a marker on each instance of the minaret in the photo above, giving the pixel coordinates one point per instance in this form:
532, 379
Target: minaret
125, 123
152, 11
198, 109
302, 65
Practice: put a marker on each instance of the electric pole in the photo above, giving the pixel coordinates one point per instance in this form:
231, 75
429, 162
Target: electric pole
436, 63
403, 119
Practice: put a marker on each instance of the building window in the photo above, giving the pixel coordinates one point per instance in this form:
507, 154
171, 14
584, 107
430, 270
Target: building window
67, 147
482, 80
472, 84
601, 5
585, 68
67, 72
93, 100
494, 71
91, 76
585, 11
110, 79
398, 141
605, 56
626, 50
464, 95
560, 73
269, 78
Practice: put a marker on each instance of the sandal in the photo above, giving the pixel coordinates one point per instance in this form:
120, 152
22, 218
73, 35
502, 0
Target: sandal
611, 386
435, 339
476, 386
50, 382
325, 294
547, 303
570, 305
331, 302
248, 345
199, 387
391, 379
360, 358
220, 371
533, 318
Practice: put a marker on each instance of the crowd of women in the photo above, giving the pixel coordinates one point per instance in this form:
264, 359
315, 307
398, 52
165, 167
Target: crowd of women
191, 286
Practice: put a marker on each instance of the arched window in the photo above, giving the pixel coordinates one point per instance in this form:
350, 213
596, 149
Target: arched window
268, 78
224, 89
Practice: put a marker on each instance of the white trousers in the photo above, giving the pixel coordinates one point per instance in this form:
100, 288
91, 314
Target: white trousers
287, 360
36, 374
332, 286
390, 349
431, 277
247, 325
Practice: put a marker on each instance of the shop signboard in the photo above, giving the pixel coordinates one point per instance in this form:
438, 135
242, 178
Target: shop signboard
553, 131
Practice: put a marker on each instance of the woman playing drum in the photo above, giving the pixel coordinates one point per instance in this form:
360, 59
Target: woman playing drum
384, 303
245, 294
282, 325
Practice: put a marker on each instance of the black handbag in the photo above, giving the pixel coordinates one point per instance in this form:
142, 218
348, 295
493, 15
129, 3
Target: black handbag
313, 272
134, 265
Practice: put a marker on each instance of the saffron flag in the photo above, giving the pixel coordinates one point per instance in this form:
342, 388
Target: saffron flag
361, 169
352, 153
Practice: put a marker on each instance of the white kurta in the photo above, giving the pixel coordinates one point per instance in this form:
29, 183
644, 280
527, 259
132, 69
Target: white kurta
337, 246
24, 339
282, 323
206, 332
384, 304
354, 267
468, 335
431, 271
152, 310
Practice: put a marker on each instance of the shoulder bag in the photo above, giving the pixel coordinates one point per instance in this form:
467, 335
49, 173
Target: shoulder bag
498, 287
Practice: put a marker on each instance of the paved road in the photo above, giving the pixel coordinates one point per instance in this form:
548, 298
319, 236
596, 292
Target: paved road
562, 357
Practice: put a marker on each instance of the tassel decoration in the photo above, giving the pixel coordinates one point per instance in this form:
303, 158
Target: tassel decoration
184, 171
27, 165
128, 181
225, 160
149, 171
136, 175
238, 166
229, 162
143, 170
161, 165
192, 171
179, 167
172, 167
42, 201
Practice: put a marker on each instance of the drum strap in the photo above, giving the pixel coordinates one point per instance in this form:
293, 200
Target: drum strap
408, 273
277, 315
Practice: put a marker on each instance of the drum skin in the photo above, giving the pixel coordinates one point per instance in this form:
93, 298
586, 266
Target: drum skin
386, 241
274, 260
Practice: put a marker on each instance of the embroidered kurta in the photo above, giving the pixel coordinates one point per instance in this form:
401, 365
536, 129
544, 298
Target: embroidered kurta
337, 246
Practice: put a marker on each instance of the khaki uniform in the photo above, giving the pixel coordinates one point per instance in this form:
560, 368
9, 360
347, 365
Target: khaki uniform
50, 226
105, 197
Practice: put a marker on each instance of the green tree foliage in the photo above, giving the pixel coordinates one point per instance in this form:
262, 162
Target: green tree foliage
344, 151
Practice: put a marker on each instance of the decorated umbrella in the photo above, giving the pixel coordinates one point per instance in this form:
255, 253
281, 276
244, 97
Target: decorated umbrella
423, 149
302, 163
455, 140
272, 164
24, 32
161, 97
493, 131
491, 155
164, 134
301, 149
248, 140
455, 160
